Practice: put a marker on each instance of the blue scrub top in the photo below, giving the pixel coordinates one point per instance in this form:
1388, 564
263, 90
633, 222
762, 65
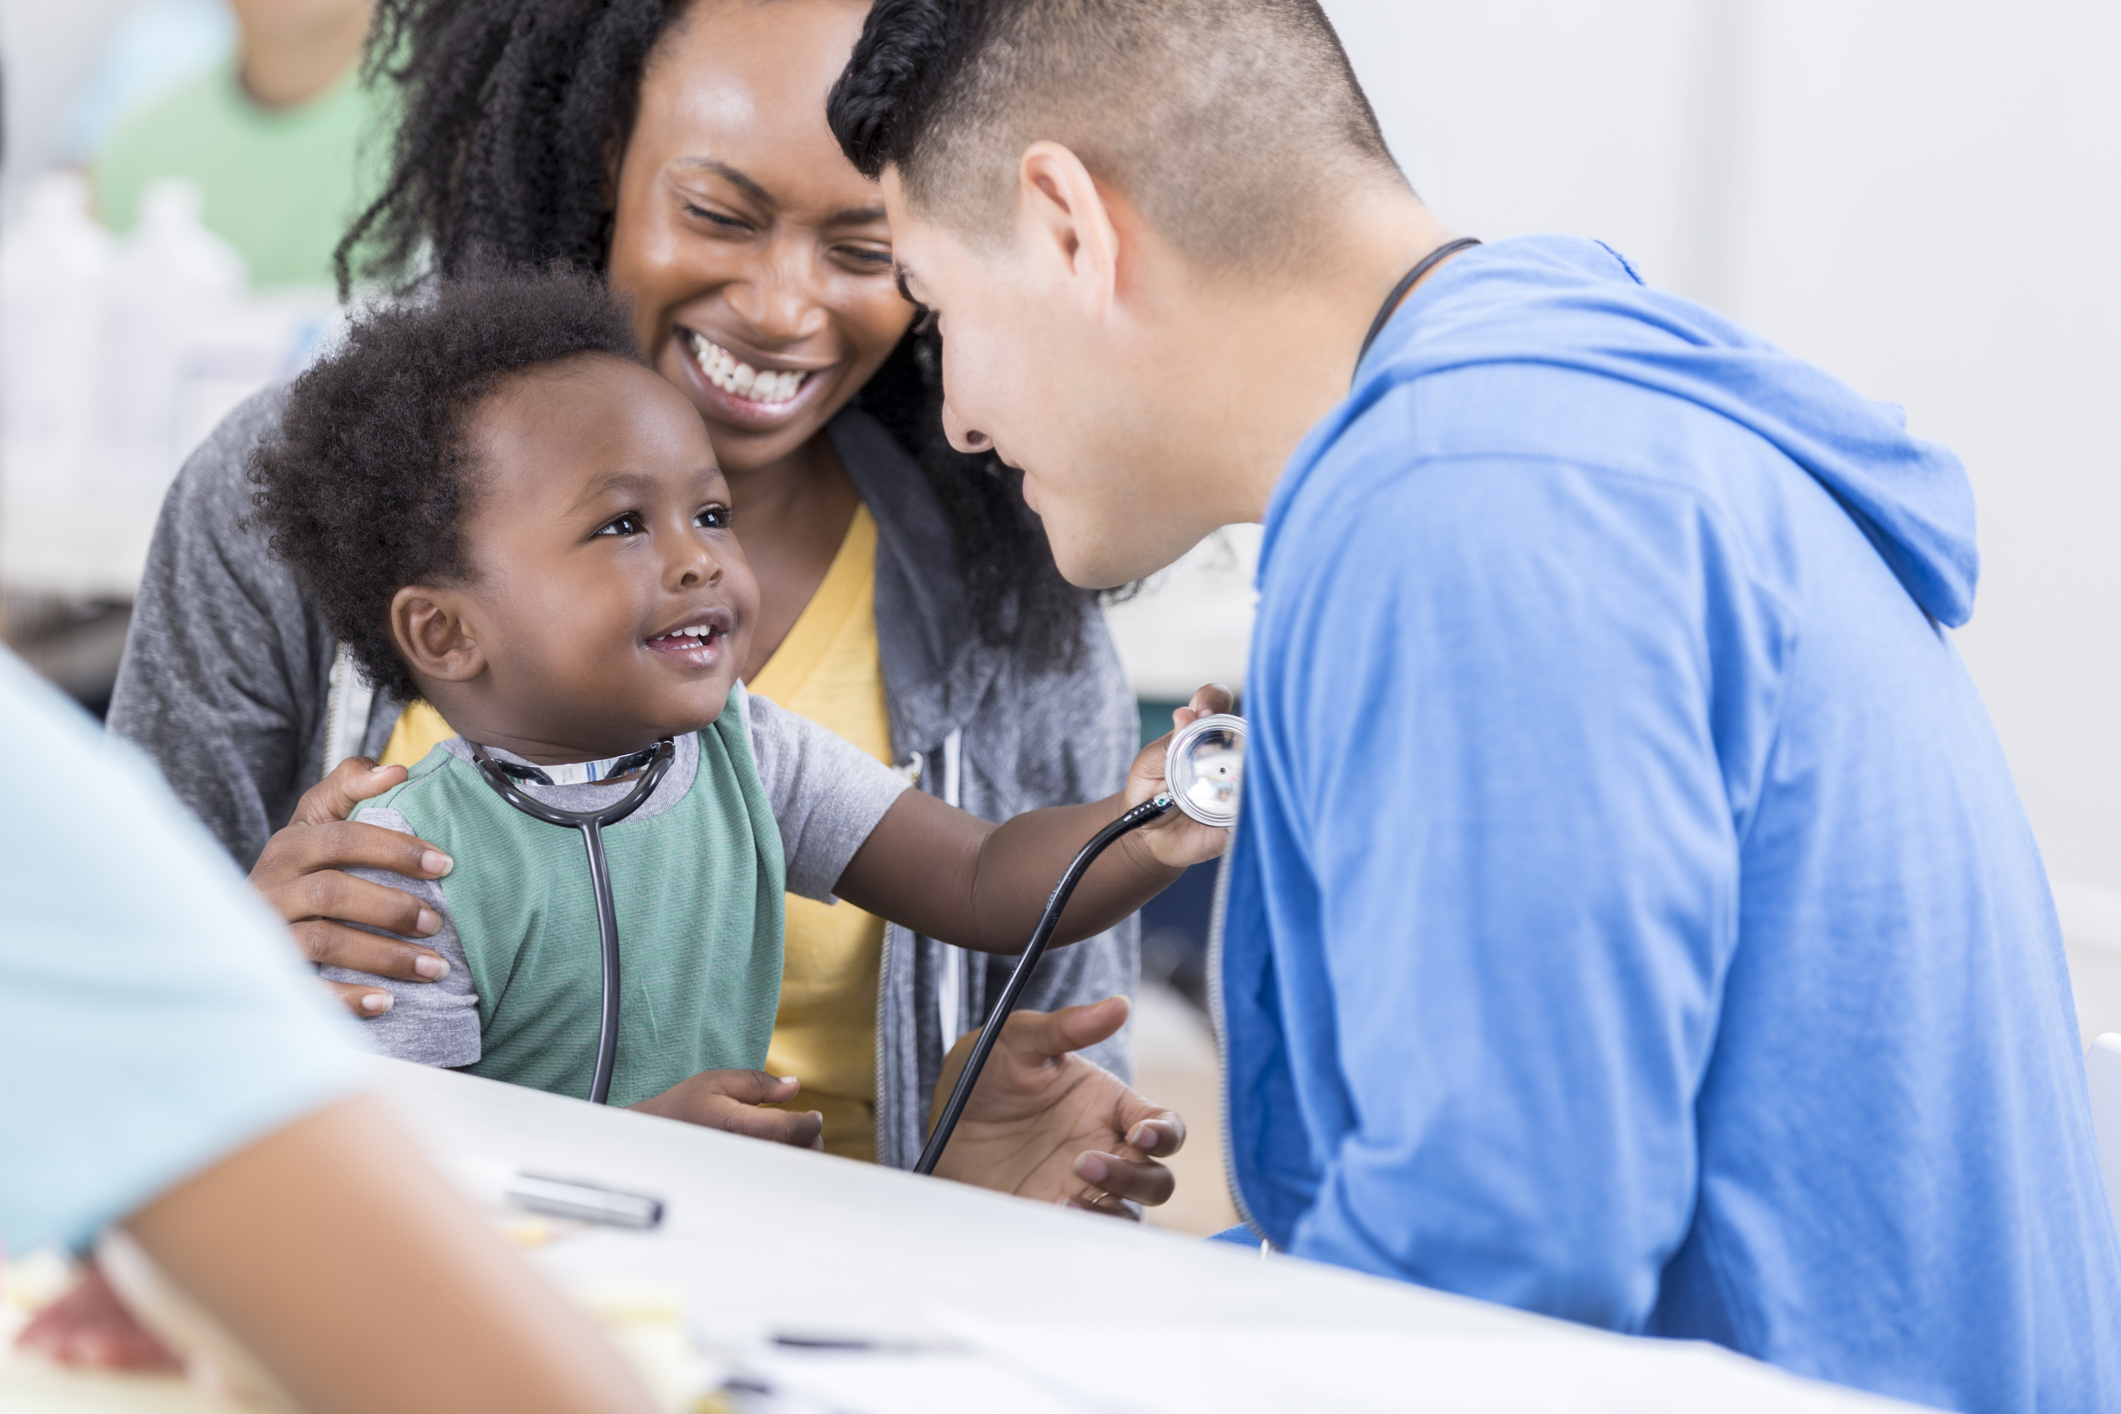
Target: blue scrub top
154, 1015
1632, 917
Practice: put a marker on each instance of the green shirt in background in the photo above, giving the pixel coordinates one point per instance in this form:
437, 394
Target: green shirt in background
281, 184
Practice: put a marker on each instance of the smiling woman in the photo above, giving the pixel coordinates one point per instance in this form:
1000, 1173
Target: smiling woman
907, 597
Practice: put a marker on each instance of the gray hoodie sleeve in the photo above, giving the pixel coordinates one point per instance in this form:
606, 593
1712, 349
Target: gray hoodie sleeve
226, 668
1063, 755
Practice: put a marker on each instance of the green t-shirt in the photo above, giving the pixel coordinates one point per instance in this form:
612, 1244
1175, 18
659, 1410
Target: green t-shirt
760, 802
281, 185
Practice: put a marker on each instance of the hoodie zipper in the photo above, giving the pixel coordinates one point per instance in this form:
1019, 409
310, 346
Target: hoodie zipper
952, 751
950, 990
346, 710
1220, 1021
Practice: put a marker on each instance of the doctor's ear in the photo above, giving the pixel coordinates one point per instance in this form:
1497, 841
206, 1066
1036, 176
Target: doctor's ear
1066, 217
431, 631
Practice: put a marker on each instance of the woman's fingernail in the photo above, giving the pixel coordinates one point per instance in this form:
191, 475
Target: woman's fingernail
1091, 1169
434, 969
427, 922
376, 1002
437, 863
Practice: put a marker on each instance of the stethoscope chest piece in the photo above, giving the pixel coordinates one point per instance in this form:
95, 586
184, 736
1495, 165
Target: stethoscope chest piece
1204, 768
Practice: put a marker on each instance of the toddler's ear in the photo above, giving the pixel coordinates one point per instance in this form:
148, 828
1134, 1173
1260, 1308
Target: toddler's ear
433, 635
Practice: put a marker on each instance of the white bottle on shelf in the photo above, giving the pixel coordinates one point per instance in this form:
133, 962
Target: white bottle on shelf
54, 265
173, 282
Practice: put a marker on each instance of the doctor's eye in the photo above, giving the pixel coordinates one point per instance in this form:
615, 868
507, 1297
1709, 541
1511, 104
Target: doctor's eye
628, 524
714, 517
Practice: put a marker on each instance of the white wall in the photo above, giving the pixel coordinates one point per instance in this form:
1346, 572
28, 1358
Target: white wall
1923, 196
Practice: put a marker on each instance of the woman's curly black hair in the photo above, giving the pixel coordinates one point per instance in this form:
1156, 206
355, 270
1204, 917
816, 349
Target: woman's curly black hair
512, 111
364, 487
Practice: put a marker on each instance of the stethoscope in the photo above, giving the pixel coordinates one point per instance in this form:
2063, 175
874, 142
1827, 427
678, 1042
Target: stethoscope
1204, 767
656, 761
1203, 770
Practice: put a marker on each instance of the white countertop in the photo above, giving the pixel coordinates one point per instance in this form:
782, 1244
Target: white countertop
1066, 1310
979, 1302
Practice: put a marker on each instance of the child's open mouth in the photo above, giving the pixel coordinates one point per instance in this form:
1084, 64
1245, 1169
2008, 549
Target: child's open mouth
697, 642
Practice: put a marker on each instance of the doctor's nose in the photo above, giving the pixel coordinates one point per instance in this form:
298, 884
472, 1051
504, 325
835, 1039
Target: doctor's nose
962, 437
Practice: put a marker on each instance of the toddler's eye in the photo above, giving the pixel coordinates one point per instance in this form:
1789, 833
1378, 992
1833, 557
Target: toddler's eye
714, 518
627, 524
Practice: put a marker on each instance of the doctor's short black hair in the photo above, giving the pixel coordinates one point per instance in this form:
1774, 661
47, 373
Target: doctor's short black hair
363, 487
1230, 124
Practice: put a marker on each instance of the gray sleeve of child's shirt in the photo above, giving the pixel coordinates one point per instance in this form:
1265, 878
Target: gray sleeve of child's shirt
434, 1023
826, 793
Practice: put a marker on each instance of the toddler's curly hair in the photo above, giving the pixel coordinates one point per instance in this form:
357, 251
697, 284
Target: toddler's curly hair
364, 487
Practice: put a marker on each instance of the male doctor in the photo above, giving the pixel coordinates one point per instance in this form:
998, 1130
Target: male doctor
1632, 917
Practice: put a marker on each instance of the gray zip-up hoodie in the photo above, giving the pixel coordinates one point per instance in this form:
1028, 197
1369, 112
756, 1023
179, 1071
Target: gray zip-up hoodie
234, 686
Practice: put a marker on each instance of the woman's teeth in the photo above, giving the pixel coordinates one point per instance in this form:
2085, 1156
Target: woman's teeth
731, 375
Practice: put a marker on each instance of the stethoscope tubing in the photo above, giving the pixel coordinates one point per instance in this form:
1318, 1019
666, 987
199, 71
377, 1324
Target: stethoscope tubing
608, 947
946, 1124
591, 823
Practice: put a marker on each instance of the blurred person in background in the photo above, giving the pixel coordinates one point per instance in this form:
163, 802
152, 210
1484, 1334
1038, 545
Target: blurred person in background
283, 139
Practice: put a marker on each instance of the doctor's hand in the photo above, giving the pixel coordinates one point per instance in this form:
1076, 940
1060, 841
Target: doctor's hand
730, 1099
1177, 841
1047, 1124
301, 873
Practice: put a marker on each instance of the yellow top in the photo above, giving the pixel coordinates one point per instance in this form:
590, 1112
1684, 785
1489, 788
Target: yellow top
827, 669
420, 729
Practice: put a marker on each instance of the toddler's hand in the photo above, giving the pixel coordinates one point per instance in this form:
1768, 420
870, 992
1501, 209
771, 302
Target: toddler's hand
730, 1100
1177, 840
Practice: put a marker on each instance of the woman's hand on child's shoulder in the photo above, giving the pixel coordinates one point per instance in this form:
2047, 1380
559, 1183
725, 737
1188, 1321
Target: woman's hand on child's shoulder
302, 875
1178, 840
730, 1100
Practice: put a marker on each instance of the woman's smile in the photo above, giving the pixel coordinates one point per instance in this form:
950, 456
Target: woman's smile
753, 393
